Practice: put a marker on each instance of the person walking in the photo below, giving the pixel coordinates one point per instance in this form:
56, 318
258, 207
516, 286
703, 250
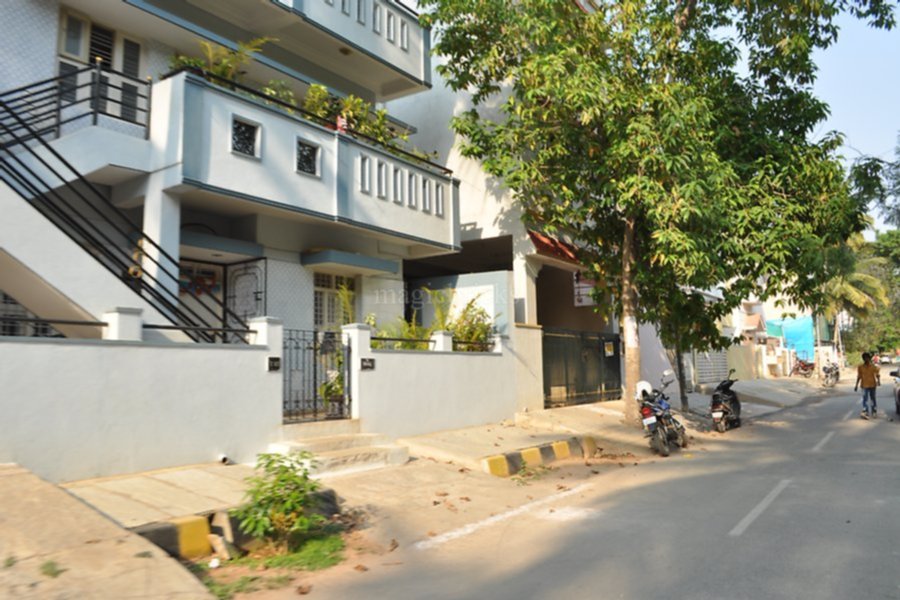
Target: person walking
869, 375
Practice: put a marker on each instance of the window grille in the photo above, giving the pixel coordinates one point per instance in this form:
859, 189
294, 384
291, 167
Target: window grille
244, 137
307, 158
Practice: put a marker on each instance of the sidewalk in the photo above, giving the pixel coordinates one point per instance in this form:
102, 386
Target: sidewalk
53, 546
454, 459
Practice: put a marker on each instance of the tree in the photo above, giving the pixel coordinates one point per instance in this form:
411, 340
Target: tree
878, 181
854, 286
631, 129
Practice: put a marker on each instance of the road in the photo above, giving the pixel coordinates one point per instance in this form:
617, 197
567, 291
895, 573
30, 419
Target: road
803, 503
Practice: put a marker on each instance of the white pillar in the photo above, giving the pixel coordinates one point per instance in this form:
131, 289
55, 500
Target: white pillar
123, 324
443, 341
359, 337
162, 224
525, 273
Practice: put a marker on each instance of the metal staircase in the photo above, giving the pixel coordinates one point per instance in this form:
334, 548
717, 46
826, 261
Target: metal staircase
43, 178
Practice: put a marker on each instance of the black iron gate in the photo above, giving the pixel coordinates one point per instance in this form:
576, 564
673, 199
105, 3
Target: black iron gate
316, 376
580, 367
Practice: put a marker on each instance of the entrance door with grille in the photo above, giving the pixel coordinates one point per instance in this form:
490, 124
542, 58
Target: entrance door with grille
316, 376
580, 367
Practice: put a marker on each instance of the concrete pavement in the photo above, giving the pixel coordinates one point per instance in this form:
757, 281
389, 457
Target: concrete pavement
54, 546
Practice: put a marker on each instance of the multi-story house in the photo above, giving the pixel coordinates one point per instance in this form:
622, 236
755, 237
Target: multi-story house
149, 205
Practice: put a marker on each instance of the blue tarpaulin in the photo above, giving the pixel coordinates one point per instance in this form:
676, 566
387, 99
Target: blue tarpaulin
798, 335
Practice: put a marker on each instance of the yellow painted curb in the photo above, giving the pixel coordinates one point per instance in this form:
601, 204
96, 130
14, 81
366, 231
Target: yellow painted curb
193, 540
532, 457
497, 465
561, 450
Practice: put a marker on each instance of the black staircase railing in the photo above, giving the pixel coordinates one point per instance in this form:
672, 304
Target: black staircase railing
81, 93
47, 181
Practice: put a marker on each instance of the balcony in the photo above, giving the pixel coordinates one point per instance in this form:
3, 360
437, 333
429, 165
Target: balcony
375, 49
237, 148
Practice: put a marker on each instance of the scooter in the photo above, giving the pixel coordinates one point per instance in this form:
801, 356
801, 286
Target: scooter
725, 408
831, 374
659, 425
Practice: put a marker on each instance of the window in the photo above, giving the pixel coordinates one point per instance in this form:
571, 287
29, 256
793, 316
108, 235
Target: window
131, 66
101, 46
328, 310
307, 158
361, 12
376, 18
404, 35
345, 7
439, 199
426, 195
381, 179
365, 174
390, 27
244, 138
398, 186
74, 37
68, 85
412, 189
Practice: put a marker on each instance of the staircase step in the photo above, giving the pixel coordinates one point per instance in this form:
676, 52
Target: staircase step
331, 443
298, 431
349, 459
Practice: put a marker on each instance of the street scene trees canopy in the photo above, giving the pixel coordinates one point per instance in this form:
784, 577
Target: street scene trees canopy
670, 141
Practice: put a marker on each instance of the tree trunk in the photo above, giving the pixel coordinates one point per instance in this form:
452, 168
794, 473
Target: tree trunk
630, 325
679, 368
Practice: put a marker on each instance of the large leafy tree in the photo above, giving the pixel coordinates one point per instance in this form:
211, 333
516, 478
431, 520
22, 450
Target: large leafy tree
635, 128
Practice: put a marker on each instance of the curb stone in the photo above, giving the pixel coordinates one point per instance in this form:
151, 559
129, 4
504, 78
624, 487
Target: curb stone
188, 537
510, 463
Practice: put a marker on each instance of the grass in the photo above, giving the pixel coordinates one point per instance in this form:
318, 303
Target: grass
314, 554
248, 583
9, 562
51, 569
526, 474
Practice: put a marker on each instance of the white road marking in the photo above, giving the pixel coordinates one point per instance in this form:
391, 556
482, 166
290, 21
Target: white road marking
759, 508
569, 513
849, 414
823, 441
473, 527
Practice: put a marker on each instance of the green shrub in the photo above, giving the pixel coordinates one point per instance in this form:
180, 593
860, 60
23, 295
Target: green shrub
280, 499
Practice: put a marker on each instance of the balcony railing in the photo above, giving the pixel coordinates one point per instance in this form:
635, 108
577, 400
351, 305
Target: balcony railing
246, 144
81, 94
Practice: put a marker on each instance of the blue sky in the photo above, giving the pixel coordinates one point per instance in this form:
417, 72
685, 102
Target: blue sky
859, 77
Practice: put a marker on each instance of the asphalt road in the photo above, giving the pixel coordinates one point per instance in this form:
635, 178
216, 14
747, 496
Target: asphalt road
802, 503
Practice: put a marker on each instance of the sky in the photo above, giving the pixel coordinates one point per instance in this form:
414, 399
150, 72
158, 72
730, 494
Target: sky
859, 78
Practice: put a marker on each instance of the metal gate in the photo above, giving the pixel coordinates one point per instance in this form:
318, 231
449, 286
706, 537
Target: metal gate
580, 367
245, 285
316, 376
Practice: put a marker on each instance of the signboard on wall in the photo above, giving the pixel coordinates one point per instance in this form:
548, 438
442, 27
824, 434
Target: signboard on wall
583, 287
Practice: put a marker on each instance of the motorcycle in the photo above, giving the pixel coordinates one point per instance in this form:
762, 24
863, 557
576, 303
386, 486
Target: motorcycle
659, 424
725, 408
831, 374
801, 367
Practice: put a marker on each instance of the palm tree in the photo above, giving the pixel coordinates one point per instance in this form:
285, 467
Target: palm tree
853, 288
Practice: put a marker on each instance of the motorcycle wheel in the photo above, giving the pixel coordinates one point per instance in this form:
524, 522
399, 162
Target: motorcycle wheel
807, 374
662, 441
720, 426
682, 438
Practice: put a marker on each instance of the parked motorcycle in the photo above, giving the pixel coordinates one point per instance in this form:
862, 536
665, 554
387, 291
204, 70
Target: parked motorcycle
831, 374
659, 424
725, 408
804, 368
